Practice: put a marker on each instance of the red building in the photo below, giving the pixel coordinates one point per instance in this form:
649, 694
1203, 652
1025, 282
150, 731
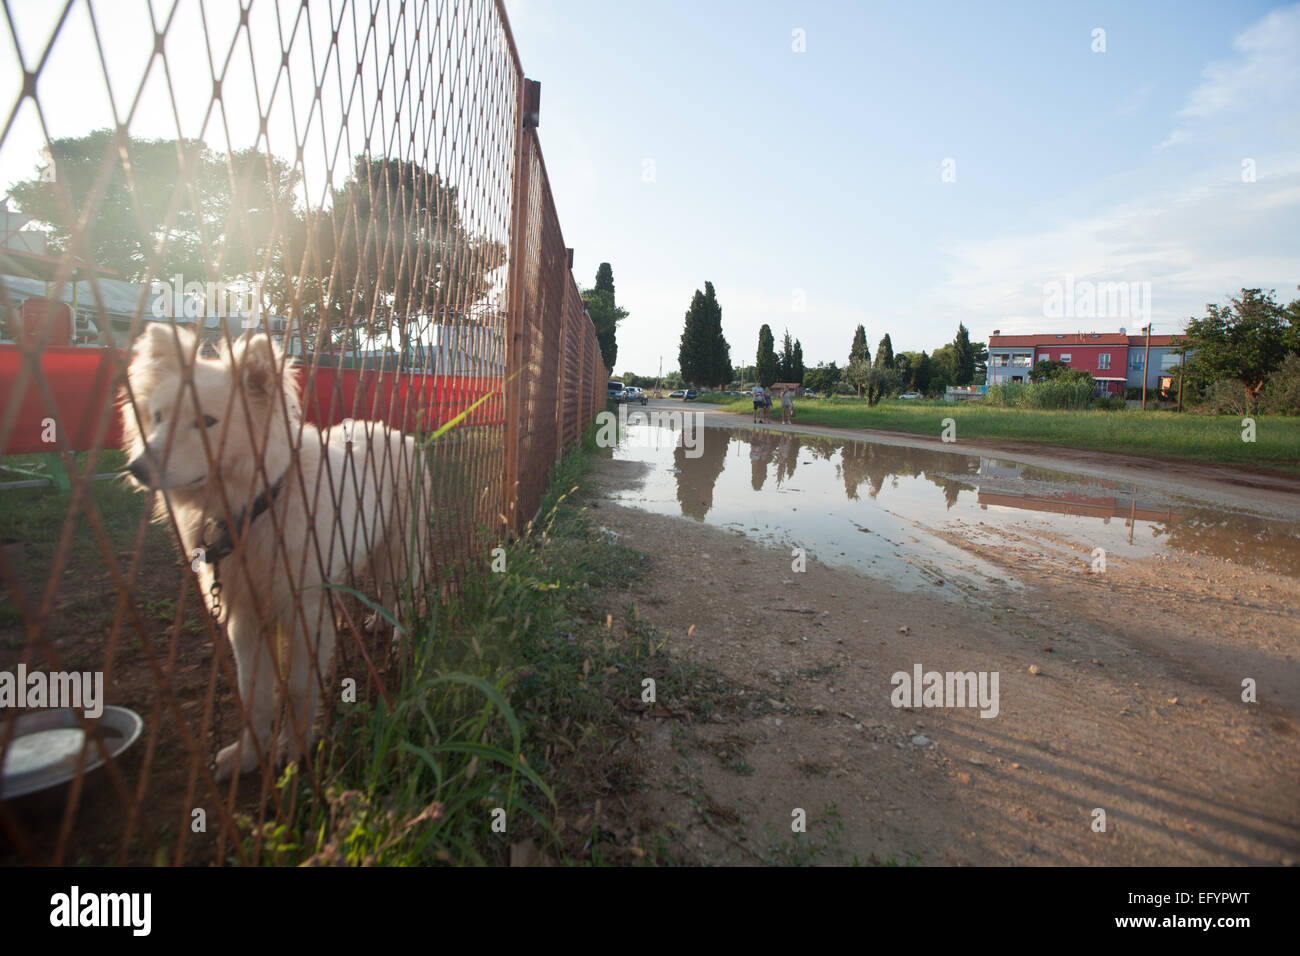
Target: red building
1104, 354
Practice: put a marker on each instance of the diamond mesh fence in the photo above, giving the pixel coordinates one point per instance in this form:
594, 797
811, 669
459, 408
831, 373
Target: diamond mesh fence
290, 341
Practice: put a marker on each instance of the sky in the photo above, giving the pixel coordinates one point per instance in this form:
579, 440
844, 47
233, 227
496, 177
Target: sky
688, 142
907, 166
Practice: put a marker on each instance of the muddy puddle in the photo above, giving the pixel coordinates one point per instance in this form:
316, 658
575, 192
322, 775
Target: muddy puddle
902, 514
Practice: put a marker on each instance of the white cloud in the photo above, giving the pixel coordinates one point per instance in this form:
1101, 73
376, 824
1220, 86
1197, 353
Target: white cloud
1263, 77
1193, 246
1202, 236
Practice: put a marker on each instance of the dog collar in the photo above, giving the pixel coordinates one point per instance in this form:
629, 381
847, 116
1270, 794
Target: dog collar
224, 546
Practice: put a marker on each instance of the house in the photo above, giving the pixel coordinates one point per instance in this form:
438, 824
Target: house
1115, 359
1159, 373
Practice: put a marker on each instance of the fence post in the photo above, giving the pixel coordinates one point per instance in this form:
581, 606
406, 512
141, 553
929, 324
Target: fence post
516, 302
563, 397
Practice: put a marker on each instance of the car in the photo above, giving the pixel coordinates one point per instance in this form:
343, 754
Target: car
809, 394
615, 391
690, 394
680, 393
910, 395
633, 393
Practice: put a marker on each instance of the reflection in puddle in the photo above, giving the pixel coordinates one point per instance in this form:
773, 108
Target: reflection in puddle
884, 509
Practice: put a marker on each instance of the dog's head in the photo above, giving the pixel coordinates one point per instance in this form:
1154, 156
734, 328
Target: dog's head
178, 435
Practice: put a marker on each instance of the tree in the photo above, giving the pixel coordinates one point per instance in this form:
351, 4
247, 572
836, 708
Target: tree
234, 217
797, 373
859, 348
963, 357
399, 255
704, 355
944, 363
914, 368
981, 351
605, 312
922, 372
823, 378
1245, 341
605, 278
885, 353
1046, 368
939, 379
882, 379
765, 365
903, 366
691, 352
858, 374
785, 362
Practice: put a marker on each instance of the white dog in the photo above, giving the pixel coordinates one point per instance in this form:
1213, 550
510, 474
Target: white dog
273, 509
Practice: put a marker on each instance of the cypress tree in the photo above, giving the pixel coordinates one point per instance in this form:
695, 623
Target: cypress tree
859, 348
765, 362
963, 357
885, 353
785, 363
692, 359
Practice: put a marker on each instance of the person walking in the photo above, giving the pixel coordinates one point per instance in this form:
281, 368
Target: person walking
758, 401
787, 407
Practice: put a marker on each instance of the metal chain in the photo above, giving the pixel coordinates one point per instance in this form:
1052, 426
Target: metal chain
214, 609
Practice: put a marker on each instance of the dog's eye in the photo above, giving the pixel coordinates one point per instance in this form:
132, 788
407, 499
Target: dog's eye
208, 421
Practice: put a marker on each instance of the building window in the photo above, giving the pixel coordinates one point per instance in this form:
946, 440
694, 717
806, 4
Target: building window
1065, 357
1103, 360
1169, 360
1022, 359
1000, 360
1135, 360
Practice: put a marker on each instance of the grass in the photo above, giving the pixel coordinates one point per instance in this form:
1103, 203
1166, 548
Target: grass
37, 515
715, 398
506, 725
505, 722
1208, 438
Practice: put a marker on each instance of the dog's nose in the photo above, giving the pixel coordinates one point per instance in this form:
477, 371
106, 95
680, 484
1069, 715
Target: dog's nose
139, 469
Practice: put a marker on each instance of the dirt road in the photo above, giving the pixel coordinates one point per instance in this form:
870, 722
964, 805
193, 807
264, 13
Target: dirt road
1118, 693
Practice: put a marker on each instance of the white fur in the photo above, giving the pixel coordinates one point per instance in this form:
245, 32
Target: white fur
343, 513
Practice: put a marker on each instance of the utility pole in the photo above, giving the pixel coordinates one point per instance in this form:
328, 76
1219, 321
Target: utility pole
1182, 362
1146, 368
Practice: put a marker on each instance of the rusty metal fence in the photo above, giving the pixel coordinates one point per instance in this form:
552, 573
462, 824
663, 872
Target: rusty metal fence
290, 334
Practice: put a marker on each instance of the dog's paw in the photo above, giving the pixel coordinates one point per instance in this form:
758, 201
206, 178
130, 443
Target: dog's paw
286, 748
234, 758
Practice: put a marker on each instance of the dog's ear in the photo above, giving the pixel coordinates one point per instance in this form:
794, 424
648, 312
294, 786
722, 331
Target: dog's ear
257, 361
158, 343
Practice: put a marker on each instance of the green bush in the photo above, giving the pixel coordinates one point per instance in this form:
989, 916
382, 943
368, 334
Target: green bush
1008, 395
1110, 403
1224, 397
1057, 393
1281, 394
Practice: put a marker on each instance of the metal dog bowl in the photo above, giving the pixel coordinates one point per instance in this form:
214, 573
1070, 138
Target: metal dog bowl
47, 744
